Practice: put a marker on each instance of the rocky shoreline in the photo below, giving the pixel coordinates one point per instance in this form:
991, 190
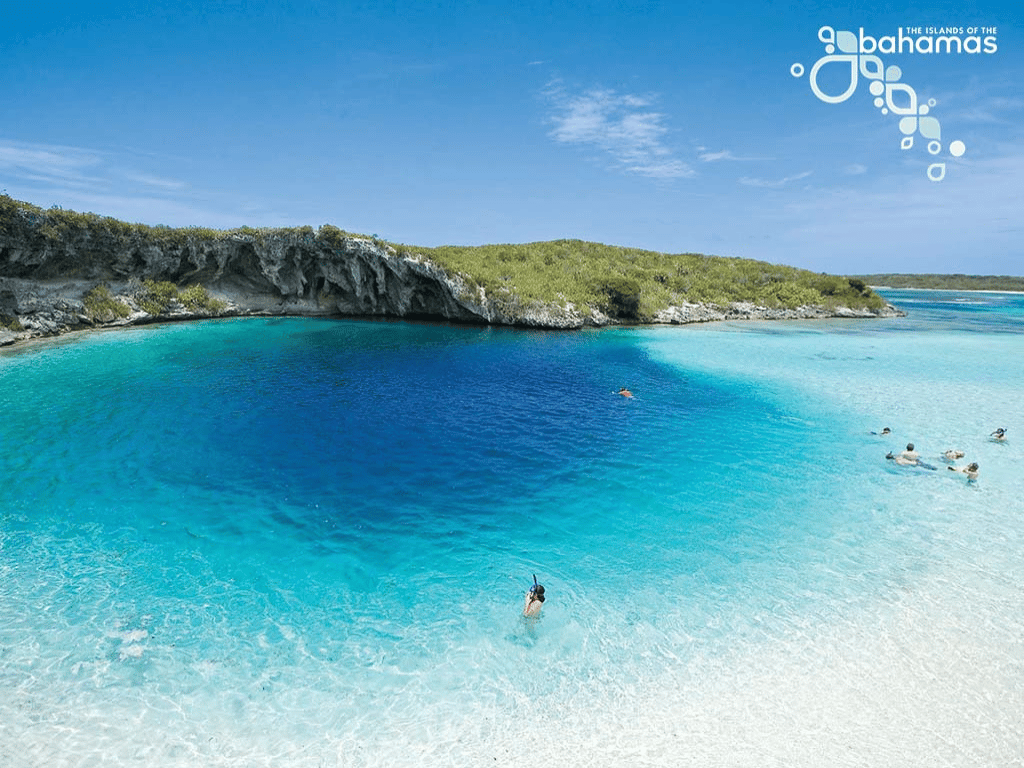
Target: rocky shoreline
48, 276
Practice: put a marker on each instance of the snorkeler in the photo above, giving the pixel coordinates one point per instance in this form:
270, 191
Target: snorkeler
625, 392
534, 599
999, 434
971, 470
953, 454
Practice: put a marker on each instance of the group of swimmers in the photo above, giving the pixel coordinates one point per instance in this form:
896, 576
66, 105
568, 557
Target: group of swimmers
910, 457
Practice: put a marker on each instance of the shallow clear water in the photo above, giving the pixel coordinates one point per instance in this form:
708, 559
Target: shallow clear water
305, 542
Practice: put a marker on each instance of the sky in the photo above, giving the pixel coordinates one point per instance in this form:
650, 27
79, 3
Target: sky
673, 126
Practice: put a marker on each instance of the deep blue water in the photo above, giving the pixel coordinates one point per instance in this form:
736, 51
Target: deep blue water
306, 542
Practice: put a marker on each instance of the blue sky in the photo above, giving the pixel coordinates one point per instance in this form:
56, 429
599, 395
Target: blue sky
673, 126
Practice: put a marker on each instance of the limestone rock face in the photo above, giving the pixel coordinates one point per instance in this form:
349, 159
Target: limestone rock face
45, 276
50, 264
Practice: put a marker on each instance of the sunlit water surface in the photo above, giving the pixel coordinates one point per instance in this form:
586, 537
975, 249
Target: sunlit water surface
306, 543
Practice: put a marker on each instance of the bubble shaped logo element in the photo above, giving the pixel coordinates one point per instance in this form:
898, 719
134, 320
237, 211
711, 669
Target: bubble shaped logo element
848, 61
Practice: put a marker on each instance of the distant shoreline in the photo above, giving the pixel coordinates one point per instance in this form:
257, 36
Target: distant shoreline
942, 290
944, 282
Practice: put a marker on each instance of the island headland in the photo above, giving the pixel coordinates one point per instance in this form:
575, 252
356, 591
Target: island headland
63, 271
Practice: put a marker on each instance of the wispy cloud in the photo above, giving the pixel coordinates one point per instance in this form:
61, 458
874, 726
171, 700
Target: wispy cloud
711, 157
154, 181
112, 183
707, 156
621, 125
855, 169
773, 183
44, 164
990, 110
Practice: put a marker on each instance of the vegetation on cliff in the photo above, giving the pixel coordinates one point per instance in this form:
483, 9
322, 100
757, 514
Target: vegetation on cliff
157, 297
624, 283
97, 236
102, 306
633, 283
153, 297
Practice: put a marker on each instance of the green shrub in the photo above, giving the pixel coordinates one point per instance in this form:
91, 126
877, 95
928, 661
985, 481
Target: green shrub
157, 297
196, 298
102, 307
11, 323
623, 296
791, 296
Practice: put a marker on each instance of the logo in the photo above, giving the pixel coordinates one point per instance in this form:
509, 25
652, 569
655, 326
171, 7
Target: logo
856, 56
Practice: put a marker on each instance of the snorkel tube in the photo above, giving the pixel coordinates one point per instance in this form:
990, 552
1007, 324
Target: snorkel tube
537, 590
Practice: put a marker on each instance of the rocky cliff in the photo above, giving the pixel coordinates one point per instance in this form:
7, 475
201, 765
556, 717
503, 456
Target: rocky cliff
61, 271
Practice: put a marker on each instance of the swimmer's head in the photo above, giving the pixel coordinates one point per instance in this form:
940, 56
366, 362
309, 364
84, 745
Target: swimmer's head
886, 430
973, 466
910, 446
537, 592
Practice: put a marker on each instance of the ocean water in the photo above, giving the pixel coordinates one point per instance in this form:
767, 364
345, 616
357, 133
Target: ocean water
294, 542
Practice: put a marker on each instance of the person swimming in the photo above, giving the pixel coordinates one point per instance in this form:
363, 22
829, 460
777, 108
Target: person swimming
534, 599
625, 392
885, 431
971, 470
953, 454
999, 434
909, 457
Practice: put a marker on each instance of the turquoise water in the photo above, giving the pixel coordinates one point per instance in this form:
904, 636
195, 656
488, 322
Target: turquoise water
306, 542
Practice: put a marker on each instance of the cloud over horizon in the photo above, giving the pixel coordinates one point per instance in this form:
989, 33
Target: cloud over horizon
109, 183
